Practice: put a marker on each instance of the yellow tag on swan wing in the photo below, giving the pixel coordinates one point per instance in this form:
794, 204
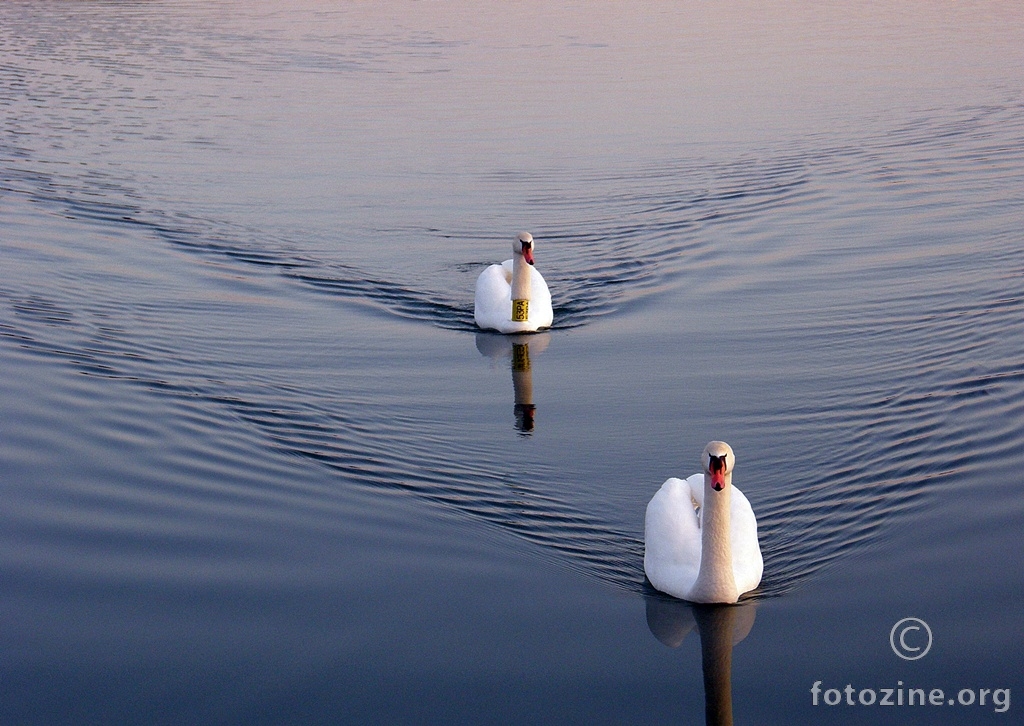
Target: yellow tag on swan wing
520, 310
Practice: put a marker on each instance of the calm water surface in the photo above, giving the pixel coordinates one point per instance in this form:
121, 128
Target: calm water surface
258, 466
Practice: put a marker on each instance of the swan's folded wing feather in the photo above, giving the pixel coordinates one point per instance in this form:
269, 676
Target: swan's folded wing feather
696, 483
492, 303
672, 539
541, 313
748, 564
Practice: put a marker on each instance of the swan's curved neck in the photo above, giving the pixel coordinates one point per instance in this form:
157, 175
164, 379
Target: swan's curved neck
715, 579
520, 278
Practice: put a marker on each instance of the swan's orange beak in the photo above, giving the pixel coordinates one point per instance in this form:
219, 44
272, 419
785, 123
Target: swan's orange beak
716, 467
528, 255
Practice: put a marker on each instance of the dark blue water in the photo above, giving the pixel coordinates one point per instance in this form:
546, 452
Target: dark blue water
258, 466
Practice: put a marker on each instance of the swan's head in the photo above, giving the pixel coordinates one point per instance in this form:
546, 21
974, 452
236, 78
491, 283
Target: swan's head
524, 246
718, 462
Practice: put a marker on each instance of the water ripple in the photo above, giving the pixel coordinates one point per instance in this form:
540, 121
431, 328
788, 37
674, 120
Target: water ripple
906, 424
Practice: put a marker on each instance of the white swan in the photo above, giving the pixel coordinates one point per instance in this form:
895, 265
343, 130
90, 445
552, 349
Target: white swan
711, 556
512, 297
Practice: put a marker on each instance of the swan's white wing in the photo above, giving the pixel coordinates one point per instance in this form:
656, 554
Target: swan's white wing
672, 539
747, 563
696, 483
492, 305
541, 315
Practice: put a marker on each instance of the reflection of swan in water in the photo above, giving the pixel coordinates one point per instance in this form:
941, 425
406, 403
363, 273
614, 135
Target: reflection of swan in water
512, 297
721, 627
518, 348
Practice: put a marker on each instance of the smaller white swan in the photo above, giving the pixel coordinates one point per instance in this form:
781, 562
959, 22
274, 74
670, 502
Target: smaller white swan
512, 297
711, 556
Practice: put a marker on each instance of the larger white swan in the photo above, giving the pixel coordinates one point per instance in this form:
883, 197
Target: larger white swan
711, 556
512, 297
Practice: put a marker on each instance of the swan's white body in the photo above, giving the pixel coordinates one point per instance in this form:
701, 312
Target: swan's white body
515, 279
712, 556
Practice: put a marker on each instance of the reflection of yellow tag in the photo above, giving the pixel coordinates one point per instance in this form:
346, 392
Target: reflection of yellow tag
520, 357
520, 310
